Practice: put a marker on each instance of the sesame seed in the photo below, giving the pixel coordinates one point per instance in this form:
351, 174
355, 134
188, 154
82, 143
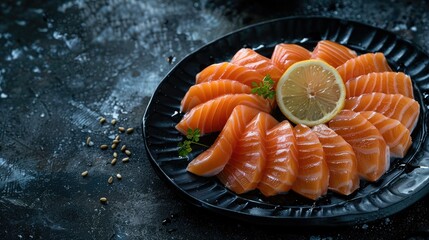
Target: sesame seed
114, 145
110, 180
103, 200
102, 120
113, 122
118, 176
125, 160
115, 154
84, 174
130, 130
123, 148
104, 147
121, 129
113, 162
128, 152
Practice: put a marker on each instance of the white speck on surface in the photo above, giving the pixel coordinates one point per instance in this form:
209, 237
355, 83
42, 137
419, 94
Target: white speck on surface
42, 115
21, 22
365, 226
3, 95
36, 70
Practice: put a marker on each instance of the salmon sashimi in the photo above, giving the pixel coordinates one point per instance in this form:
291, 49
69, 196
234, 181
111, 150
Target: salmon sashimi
249, 58
230, 71
363, 64
212, 115
383, 82
341, 160
284, 55
333, 53
313, 173
244, 169
396, 106
213, 160
203, 92
396, 135
281, 167
372, 152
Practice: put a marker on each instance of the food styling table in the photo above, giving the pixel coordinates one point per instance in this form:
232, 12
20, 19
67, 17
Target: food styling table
76, 75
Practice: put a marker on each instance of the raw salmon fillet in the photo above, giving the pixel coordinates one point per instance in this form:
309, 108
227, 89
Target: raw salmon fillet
396, 135
372, 152
313, 173
247, 57
333, 53
244, 169
341, 160
212, 115
396, 106
383, 82
363, 64
213, 160
281, 167
284, 55
203, 92
229, 71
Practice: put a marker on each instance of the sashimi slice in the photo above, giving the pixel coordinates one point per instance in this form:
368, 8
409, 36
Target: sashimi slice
372, 152
214, 159
203, 92
363, 64
247, 57
396, 135
383, 82
333, 53
281, 167
341, 160
313, 173
212, 115
226, 70
284, 55
396, 106
244, 169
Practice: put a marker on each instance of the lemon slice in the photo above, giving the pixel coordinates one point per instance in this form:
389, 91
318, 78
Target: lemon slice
310, 92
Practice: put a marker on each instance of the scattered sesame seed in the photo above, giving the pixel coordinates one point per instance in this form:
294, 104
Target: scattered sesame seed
104, 147
102, 120
125, 160
115, 154
118, 176
113, 162
128, 152
130, 130
103, 200
114, 146
110, 180
84, 174
116, 141
121, 129
113, 122
88, 141
123, 148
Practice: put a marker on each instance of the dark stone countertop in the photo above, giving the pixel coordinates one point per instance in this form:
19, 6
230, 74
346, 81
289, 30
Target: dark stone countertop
63, 64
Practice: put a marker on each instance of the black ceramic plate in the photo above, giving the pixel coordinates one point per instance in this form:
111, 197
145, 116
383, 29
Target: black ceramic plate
406, 181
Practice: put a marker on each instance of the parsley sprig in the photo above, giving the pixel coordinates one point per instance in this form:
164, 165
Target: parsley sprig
265, 88
193, 137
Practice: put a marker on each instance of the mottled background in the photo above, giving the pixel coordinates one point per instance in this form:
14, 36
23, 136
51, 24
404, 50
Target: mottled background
65, 63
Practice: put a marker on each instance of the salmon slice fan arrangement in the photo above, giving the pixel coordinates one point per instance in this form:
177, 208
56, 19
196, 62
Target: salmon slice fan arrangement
396, 135
363, 64
284, 55
244, 169
212, 115
203, 92
213, 160
341, 160
313, 173
372, 152
382, 82
247, 57
254, 151
281, 167
230, 71
396, 106
333, 53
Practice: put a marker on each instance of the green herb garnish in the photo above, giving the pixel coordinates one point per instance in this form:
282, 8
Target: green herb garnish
193, 137
265, 88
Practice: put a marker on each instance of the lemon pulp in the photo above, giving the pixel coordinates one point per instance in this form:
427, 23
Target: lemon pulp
310, 92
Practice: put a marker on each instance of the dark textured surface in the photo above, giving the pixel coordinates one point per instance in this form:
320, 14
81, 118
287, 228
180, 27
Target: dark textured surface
65, 63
